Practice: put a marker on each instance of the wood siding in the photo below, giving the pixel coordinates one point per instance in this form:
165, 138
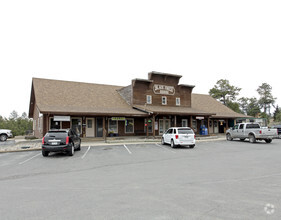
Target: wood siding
142, 88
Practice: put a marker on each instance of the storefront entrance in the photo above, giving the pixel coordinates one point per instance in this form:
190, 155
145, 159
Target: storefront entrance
90, 127
76, 125
99, 126
164, 124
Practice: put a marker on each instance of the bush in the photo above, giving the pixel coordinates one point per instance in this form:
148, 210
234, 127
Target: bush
18, 124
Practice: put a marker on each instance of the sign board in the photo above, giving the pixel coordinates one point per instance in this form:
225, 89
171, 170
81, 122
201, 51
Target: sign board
199, 118
163, 90
118, 119
61, 118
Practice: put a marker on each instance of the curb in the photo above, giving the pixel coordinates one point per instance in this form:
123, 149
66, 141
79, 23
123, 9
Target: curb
98, 143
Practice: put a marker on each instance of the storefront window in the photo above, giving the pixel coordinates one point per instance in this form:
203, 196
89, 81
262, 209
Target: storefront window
129, 126
55, 124
149, 125
112, 126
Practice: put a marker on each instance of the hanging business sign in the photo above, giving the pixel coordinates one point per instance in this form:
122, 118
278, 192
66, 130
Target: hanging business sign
199, 118
61, 118
163, 90
118, 119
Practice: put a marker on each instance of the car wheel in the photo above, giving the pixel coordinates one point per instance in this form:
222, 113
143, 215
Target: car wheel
71, 150
192, 146
172, 143
45, 153
79, 146
252, 138
268, 141
228, 137
162, 141
3, 137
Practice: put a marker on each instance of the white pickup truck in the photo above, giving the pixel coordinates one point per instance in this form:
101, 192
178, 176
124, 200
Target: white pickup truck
4, 134
252, 131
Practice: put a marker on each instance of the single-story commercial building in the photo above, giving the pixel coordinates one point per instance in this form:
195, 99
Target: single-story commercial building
146, 107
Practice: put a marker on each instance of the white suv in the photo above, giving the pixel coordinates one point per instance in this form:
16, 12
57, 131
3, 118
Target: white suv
183, 136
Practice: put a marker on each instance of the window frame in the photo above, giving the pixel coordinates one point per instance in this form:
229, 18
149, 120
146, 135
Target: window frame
149, 99
164, 98
116, 124
178, 101
50, 123
125, 127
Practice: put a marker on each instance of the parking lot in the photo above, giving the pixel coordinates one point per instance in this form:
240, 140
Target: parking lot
215, 180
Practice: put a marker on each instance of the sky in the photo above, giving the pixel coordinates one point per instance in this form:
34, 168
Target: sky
112, 42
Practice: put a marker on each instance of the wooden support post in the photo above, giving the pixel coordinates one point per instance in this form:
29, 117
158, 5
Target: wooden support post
103, 129
175, 121
146, 127
153, 125
208, 126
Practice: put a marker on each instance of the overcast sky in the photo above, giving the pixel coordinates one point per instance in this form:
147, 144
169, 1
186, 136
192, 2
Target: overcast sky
113, 42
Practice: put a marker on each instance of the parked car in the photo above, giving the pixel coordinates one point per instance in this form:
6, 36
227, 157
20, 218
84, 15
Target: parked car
252, 131
5, 134
61, 141
179, 136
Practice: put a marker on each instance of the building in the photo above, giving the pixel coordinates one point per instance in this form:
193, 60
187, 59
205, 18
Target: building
146, 107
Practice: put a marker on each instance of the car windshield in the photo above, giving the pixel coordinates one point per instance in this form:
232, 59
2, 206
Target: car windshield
57, 134
185, 131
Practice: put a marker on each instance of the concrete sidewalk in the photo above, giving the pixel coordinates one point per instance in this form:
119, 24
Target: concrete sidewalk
21, 144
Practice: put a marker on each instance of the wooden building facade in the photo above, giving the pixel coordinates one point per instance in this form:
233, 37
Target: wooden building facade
146, 107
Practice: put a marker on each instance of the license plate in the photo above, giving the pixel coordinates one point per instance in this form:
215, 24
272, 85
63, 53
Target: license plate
54, 143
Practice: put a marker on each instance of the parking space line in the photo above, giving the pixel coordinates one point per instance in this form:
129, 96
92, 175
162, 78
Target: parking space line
29, 159
86, 152
165, 148
127, 149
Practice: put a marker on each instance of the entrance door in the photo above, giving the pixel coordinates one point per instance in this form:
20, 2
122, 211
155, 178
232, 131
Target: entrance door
90, 127
184, 123
99, 127
164, 124
76, 125
216, 128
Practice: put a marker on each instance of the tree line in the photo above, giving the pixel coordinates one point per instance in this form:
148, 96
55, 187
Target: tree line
226, 93
19, 125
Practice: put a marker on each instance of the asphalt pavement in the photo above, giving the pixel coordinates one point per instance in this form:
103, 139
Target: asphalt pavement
215, 180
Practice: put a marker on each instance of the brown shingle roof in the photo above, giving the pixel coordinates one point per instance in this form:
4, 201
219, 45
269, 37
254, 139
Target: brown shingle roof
56, 96
209, 104
65, 97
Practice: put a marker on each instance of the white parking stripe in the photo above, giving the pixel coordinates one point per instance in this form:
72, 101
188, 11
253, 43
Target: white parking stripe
29, 159
165, 148
86, 152
127, 149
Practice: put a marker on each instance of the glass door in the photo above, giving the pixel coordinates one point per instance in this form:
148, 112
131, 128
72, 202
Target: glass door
99, 127
76, 125
164, 125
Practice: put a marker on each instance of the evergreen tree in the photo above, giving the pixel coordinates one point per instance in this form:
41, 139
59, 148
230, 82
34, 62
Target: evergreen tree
224, 92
